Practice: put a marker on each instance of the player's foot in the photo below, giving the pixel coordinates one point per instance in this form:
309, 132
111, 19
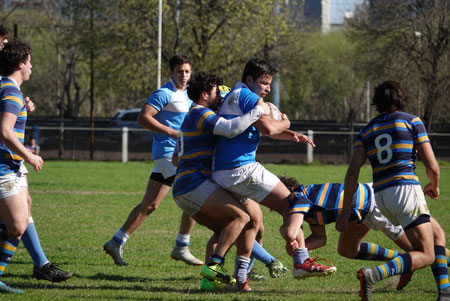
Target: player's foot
210, 285
368, 277
255, 276
310, 268
51, 273
444, 295
405, 278
276, 269
6, 289
216, 272
183, 254
114, 249
242, 287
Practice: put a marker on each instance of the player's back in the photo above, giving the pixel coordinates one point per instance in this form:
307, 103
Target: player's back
390, 143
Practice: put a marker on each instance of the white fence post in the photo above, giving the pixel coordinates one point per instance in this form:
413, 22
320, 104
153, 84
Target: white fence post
124, 144
309, 148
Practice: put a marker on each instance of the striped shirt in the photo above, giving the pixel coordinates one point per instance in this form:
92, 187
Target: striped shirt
196, 146
12, 101
322, 203
390, 142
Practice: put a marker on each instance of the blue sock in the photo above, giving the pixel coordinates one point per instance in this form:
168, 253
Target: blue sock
7, 249
31, 242
399, 265
121, 237
240, 268
258, 252
300, 255
371, 251
439, 268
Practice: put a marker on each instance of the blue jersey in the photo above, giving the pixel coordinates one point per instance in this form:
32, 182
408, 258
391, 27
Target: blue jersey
322, 203
240, 150
196, 146
11, 101
390, 141
172, 105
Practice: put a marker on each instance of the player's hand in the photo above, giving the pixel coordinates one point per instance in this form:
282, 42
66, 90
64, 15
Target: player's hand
342, 221
303, 138
35, 161
29, 104
431, 191
291, 247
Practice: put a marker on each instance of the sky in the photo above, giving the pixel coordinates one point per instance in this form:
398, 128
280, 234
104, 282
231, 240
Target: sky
339, 7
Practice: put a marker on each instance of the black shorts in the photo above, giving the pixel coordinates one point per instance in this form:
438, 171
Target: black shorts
158, 177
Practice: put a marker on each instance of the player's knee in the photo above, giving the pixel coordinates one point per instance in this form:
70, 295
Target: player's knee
150, 208
16, 231
244, 218
344, 252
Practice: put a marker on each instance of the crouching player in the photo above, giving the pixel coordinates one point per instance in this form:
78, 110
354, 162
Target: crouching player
321, 204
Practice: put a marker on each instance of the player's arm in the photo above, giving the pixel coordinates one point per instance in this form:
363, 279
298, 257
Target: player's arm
9, 138
293, 136
232, 127
350, 185
175, 156
147, 120
317, 238
426, 154
270, 127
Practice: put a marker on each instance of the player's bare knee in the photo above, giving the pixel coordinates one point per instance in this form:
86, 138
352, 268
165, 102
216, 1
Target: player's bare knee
150, 208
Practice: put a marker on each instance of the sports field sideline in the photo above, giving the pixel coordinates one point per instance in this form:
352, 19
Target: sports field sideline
77, 206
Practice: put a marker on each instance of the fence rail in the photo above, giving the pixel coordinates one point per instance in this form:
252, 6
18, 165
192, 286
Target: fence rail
135, 144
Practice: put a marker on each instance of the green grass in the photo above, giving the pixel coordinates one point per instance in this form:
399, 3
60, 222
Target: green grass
78, 206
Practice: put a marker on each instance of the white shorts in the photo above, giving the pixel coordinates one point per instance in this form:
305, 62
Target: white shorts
10, 184
24, 171
250, 181
402, 204
165, 167
192, 201
375, 220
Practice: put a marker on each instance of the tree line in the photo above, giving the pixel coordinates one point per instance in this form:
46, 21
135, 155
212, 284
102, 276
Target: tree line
113, 44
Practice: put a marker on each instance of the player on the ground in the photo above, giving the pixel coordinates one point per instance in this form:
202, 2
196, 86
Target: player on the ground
392, 141
15, 69
235, 166
163, 114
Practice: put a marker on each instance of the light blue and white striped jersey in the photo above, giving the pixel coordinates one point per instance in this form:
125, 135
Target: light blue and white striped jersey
240, 150
172, 105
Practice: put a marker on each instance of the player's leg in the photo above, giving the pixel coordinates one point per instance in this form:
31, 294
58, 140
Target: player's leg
157, 189
181, 251
42, 268
14, 215
439, 266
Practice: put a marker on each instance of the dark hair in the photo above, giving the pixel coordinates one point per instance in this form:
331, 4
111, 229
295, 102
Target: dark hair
202, 81
291, 183
257, 67
389, 97
3, 32
178, 59
12, 55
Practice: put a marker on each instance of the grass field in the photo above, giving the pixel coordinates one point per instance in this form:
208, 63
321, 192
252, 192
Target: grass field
78, 206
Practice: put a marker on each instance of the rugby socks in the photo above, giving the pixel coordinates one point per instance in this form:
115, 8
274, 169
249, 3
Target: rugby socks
439, 268
7, 249
300, 255
182, 240
399, 265
258, 252
370, 251
31, 242
251, 264
447, 255
216, 259
121, 236
240, 268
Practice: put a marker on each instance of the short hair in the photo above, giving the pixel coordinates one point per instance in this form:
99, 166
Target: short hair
202, 81
389, 97
178, 59
290, 183
257, 67
12, 54
3, 32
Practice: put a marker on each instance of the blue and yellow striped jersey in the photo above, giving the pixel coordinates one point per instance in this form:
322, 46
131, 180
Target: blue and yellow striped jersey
322, 203
390, 141
11, 101
196, 146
